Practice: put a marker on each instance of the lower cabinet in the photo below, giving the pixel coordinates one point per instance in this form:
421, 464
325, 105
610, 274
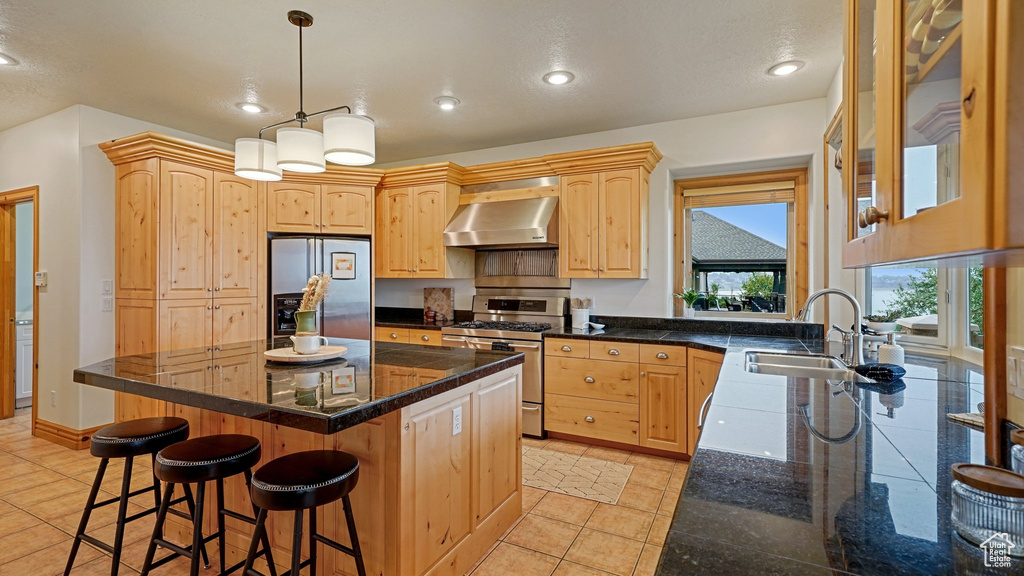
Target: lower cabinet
589, 418
663, 407
408, 336
702, 373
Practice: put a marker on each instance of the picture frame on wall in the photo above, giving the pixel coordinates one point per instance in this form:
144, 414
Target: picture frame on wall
343, 266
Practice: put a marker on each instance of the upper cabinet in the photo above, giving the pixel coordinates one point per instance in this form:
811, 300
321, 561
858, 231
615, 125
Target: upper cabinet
931, 108
346, 209
293, 207
320, 208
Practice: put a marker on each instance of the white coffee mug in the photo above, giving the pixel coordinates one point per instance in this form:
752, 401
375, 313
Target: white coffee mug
308, 344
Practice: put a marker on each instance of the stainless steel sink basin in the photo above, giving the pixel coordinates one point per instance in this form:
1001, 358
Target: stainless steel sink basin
801, 366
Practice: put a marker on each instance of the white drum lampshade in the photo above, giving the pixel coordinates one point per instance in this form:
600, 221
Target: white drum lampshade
300, 150
256, 159
349, 139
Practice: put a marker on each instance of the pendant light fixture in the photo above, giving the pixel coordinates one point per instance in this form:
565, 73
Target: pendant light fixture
347, 138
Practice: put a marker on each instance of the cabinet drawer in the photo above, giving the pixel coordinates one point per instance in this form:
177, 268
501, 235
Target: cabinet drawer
393, 335
425, 337
660, 354
566, 348
600, 419
617, 351
600, 379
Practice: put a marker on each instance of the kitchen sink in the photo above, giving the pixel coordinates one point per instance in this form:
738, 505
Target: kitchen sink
801, 366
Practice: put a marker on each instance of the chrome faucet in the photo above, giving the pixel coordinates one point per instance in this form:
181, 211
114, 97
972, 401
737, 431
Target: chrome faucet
853, 341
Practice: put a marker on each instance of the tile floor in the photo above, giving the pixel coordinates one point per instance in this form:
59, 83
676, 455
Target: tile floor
43, 488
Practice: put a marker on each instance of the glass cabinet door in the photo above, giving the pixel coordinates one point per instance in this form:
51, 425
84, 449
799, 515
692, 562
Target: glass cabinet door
859, 172
930, 113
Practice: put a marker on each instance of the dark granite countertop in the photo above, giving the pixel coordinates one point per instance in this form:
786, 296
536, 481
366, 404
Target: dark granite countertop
807, 476
388, 317
371, 380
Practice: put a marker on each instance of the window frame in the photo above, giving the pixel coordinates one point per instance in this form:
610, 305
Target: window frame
939, 344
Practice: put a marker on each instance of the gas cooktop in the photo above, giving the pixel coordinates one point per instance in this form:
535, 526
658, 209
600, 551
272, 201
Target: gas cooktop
503, 326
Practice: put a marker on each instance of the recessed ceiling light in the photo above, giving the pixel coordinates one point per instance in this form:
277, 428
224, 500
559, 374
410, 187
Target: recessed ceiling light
558, 77
446, 102
251, 108
785, 68
6, 60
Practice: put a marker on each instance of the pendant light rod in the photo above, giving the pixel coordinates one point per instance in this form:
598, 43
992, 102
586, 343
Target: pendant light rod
300, 115
290, 120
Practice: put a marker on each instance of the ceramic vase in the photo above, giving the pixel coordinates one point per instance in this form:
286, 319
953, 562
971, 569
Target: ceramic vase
305, 322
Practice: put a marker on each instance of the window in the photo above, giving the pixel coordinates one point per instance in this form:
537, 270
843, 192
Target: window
975, 325
910, 298
738, 243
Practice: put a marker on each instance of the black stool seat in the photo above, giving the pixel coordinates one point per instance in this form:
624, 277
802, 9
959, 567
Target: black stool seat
137, 437
304, 480
207, 458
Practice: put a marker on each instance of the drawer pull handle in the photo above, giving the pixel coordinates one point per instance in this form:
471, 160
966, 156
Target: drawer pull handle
589, 379
589, 419
425, 338
566, 348
662, 356
613, 352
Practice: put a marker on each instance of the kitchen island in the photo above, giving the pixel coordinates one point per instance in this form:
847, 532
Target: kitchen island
437, 432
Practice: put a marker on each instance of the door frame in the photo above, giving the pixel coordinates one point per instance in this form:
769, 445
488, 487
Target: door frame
8, 200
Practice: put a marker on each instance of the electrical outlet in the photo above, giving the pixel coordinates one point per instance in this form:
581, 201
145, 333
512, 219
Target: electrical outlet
107, 304
457, 421
53, 398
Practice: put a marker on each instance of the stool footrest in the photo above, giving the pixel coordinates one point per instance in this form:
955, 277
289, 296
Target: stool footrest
97, 543
242, 517
335, 545
109, 501
176, 551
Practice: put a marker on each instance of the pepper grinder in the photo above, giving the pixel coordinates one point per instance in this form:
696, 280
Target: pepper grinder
891, 352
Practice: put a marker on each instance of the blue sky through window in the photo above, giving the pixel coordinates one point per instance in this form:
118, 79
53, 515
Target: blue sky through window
766, 220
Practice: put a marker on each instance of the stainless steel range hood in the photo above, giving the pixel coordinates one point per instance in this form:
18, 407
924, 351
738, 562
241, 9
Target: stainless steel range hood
523, 223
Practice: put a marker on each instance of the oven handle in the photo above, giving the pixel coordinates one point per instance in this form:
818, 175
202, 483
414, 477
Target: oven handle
527, 346
453, 339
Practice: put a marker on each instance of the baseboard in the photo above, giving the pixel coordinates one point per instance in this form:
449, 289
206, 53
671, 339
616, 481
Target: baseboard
619, 446
67, 437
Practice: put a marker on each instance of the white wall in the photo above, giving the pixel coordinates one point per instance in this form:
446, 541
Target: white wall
781, 136
23, 259
59, 154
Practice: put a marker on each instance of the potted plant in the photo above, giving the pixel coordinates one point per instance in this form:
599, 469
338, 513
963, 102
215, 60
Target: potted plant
883, 322
689, 297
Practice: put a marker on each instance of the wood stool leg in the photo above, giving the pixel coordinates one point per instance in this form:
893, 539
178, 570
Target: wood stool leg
122, 511
312, 541
161, 515
258, 534
297, 544
197, 531
85, 514
220, 522
351, 521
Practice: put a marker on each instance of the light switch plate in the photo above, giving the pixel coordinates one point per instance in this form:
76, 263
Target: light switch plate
107, 304
108, 286
40, 279
457, 421
1015, 371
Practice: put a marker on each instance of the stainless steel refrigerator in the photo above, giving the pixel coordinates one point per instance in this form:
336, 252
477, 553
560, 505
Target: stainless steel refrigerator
345, 313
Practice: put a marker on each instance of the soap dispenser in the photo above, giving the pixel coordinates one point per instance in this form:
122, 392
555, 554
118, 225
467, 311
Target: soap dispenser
891, 352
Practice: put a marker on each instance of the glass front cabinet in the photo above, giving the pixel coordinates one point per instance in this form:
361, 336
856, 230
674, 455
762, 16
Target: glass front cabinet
933, 130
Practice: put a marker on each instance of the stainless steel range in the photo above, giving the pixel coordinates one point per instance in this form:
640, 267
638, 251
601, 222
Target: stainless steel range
514, 318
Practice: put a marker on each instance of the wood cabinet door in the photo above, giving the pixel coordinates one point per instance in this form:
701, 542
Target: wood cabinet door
497, 450
428, 229
135, 239
234, 323
394, 233
235, 236
619, 250
663, 407
578, 226
346, 209
293, 207
186, 329
702, 372
186, 231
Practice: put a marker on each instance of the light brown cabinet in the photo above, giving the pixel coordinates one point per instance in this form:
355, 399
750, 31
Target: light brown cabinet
410, 223
186, 231
408, 336
701, 373
931, 101
603, 219
319, 208
663, 412
236, 236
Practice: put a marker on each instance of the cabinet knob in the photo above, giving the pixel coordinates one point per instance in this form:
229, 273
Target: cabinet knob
601, 269
593, 269
217, 306
613, 352
209, 289
662, 356
217, 348
209, 307
217, 289
643, 373
589, 419
208, 350
425, 338
567, 348
589, 379
871, 215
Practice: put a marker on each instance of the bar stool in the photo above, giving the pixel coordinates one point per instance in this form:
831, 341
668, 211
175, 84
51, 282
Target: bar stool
125, 440
201, 460
301, 481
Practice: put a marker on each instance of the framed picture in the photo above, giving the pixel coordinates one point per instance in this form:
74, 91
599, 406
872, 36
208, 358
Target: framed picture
343, 265
343, 380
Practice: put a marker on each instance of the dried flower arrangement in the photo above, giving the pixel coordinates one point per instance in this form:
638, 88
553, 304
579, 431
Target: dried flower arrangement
314, 292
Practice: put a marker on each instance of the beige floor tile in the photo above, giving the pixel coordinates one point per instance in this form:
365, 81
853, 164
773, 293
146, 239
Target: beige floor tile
606, 552
40, 495
628, 522
6, 508
659, 530
101, 567
567, 447
10, 472
531, 496
17, 521
52, 560
141, 529
566, 568
607, 454
566, 508
534, 442
545, 535
641, 497
484, 557
650, 477
507, 559
668, 503
29, 541
648, 562
648, 461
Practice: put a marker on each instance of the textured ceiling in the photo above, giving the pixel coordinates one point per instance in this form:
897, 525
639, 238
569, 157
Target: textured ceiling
186, 63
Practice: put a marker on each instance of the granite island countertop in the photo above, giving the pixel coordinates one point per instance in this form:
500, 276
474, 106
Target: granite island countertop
372, 379
811, 476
